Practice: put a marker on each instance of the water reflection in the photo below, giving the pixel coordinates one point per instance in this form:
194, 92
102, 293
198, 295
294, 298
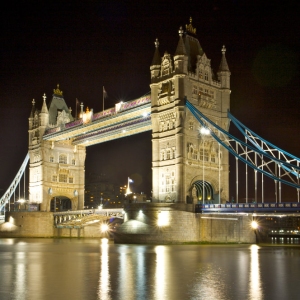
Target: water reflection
104, 282
160, 273
93, 269
20, 282
255, 281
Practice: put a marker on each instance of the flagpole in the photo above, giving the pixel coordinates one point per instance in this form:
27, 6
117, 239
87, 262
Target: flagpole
103, 98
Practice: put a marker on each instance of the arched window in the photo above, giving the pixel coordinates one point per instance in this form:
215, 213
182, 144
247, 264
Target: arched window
63, 159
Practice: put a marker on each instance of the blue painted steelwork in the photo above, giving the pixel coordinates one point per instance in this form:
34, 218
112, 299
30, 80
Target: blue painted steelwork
243, 152
248, 207
291, 162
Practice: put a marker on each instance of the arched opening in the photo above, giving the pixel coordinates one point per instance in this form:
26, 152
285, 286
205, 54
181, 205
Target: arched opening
60, 203
203, 191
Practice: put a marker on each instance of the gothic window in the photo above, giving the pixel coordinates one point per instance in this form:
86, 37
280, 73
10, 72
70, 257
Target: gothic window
206, 76
173, 153
213, 157
200, 73
63, 178
73, 162
194, 154
63, 159
54, 178
194, 90
71, 180
205, 155
163, 155
168, 154
191, 125
51, 159
168, 125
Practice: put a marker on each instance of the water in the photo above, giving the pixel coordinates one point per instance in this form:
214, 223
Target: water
92, 269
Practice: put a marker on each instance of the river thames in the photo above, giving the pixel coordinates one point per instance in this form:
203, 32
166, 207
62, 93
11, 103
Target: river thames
97, 269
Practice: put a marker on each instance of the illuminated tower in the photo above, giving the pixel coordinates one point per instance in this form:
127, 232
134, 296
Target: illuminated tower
188, 166
56, 169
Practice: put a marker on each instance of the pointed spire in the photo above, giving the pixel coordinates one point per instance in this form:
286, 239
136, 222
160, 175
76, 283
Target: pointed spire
156, 58
32, 109
223, 64
44, 107
180, 50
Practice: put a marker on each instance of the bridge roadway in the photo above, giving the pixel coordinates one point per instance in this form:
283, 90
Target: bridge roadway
81, 218
125, 119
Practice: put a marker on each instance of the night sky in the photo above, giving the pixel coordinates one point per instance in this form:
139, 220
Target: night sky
85, 45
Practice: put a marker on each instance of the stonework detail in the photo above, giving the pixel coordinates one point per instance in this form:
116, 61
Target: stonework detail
56, 168
178, 147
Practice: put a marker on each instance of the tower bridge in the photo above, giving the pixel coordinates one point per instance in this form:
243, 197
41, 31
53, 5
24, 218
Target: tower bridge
188, 113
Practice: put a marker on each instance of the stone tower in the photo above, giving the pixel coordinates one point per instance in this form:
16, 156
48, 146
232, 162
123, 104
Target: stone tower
56, 169
187, 165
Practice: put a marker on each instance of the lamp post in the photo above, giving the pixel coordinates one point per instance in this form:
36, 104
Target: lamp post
204, 132
50, 191
77, 195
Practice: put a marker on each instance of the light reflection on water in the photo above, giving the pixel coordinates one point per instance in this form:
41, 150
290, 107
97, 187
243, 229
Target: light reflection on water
94, 269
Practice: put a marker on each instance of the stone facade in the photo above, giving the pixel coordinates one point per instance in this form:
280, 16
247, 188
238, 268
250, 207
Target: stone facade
56, 168
180, 224
182, 157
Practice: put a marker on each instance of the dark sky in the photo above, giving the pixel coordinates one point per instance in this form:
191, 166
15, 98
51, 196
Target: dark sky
85, 45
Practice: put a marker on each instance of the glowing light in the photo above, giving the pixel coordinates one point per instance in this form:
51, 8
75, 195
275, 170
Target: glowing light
163, 218
104, 241
204, 131
104, 227
254, 224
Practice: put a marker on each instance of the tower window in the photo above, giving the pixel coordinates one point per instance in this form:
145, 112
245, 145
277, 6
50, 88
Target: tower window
54, 178
63, 159
51, 159
63, 178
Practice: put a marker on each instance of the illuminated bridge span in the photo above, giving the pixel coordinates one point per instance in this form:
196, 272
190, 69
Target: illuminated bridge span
125, 119
256, 153
189, 166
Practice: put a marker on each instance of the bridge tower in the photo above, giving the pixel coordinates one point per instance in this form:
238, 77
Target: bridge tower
187, 165
56, 168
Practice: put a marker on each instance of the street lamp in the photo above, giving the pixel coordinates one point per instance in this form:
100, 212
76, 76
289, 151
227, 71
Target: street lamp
204, 132
76, 195
50, 192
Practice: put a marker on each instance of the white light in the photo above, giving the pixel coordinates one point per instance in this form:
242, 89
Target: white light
145, 114
21, 200
254, 224
104, 227
163, 218
204, 131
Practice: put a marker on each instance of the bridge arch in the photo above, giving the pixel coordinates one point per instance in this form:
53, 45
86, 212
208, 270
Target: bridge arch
61, 203
202, 191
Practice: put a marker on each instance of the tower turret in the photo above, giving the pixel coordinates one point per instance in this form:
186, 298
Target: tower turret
156, 62
180, 56
223, 72
44, 116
